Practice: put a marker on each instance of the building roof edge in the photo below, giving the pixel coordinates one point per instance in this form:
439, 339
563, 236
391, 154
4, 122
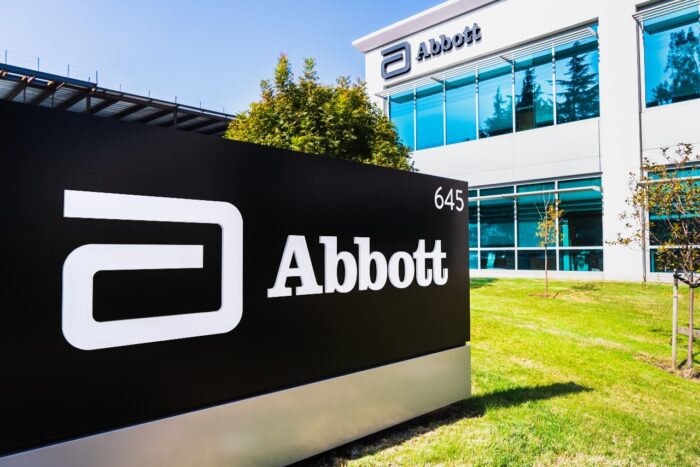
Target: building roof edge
418, 22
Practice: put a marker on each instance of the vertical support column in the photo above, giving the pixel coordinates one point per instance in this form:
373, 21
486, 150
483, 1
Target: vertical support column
554, 85
476, 100
620, 131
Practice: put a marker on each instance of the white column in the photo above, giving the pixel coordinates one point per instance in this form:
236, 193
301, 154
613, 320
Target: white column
620, 141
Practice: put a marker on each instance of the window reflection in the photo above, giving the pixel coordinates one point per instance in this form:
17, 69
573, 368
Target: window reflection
582, 222
672, 57
495, 101
401, 113
497, 219
429, 123
460, 109
577, 81
534, 92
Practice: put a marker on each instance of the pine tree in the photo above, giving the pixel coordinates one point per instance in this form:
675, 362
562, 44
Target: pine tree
501, 119
579, 91
531, 103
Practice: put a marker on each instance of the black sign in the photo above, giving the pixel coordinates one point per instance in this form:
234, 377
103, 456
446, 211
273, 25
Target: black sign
151, 272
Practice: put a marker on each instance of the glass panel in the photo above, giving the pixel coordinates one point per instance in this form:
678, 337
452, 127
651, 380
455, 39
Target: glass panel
531, 210
672, 57
401, 113
582, 221
497, 260
577, 81
472, 194
533, 260
581, 260
497, 219
654, 264
473, 260
460, 108
534, 92
429, 121
495, 101
473, 227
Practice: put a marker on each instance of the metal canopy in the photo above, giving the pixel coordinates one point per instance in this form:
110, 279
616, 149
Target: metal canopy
510, 56
59, 92
664, 8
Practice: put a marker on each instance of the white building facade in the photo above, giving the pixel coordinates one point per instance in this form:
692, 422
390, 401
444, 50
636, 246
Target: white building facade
536, 100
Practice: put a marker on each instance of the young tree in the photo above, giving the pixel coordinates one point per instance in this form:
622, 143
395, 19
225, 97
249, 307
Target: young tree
579, 91
333, 120
664, 211
547, 234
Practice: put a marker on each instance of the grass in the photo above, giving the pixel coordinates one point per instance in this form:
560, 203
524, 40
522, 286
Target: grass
579, 379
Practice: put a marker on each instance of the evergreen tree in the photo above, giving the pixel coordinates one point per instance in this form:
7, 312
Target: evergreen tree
501, 119
333, 120
531, 103
579, 91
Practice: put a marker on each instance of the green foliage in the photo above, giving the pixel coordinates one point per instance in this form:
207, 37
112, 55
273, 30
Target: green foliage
333, 120
547, 226
670, 199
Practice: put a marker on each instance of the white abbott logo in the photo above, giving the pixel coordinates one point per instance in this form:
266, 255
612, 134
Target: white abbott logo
357, 271
79, 326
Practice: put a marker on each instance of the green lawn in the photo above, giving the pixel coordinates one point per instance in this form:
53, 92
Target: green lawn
577, 379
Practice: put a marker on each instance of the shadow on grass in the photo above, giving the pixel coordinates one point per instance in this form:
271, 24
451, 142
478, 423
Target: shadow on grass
585, 287
479, 282
476, 406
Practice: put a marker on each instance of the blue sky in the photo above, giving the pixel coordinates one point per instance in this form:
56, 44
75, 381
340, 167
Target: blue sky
211, 51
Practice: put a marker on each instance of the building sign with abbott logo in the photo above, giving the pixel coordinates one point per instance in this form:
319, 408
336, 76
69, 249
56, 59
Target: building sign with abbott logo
174, 299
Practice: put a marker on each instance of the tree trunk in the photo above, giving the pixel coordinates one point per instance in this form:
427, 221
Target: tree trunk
674, 332
546, 275
691, 306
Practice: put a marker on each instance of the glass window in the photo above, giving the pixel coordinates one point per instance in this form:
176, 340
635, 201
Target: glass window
460, 109
473, 260
401, 113
534, 92
497, 260
497, 219
582, 221
577, 80
530, 211
495, 101
581, 260
672, 57
533, 260
473, 225
429, 119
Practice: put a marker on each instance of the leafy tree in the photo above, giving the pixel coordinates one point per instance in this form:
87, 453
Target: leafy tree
664, 210
501, 118
683, 67
579, 91
547, 234
333, 120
